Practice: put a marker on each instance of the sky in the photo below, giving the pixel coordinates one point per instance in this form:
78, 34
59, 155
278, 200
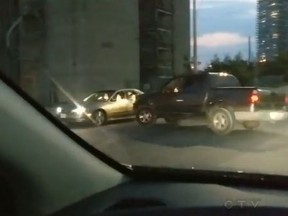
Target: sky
224, 27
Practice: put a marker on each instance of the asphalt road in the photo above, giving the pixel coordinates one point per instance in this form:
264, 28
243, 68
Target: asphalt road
192, 146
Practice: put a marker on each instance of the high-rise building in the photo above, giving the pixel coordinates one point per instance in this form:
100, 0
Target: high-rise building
272, 28
164, 39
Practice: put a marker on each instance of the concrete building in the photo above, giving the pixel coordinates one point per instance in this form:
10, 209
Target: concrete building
272, 28
164, 39
32, 49
9, 43
92, 45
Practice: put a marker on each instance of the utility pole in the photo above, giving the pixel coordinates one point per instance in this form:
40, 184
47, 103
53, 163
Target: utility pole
195, 59
249, 49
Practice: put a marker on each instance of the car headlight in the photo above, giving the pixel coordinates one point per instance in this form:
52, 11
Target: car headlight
58, 110
79, 110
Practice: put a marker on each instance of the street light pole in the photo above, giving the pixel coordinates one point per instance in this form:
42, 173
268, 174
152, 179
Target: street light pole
249, 50
11, 29
195, 59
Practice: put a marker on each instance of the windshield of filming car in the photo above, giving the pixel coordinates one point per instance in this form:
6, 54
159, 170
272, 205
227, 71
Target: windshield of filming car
190, 84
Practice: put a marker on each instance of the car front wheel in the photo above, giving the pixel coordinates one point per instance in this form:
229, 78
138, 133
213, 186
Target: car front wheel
99, 118
145, 116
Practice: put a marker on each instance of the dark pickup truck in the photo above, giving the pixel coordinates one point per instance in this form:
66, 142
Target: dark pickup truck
218, 97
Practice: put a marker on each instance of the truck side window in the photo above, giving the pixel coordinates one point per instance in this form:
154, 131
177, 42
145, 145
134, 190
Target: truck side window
193, 85
175, 86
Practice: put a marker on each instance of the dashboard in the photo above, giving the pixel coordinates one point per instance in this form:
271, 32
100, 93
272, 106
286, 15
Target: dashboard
139, 198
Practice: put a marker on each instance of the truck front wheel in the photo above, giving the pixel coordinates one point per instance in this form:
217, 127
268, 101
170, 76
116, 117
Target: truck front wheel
221, 121
145, 116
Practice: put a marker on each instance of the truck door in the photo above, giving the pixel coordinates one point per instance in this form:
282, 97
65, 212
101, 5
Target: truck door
192, 97
166, 101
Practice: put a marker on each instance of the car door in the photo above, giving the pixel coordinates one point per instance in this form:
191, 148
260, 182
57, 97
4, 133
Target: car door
119, 105
131, 96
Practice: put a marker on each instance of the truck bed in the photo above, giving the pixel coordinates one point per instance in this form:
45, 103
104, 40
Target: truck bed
240, 97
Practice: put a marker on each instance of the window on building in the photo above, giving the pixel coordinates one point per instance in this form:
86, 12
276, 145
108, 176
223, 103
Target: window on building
274, 14
275, 35
263, 12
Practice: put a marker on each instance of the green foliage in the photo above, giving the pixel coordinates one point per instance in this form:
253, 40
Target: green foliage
243, 70
277, 67
274, 73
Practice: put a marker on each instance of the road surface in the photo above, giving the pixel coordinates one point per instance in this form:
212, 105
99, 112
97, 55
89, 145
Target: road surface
192, 146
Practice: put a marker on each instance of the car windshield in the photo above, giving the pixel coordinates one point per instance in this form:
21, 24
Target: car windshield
99, 96
190, 84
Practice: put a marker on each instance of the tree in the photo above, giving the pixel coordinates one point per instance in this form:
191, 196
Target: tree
227, 60
278, 66
215, 64
238, 57
236, 66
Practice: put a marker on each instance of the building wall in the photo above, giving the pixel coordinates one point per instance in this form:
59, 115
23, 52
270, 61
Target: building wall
182, 48
9, 56
272, 28
31, 48
92, 45
164, 40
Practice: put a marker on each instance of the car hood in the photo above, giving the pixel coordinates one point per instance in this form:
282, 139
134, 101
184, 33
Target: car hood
66, 107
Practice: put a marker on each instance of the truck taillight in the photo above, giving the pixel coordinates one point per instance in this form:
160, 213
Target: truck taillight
286, 99
254, 97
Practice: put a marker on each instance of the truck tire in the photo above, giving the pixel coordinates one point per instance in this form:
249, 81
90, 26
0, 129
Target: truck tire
250, 125
145, 116
221, 121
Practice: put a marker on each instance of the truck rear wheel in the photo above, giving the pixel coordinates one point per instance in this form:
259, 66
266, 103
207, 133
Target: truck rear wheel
250, 125
221, 121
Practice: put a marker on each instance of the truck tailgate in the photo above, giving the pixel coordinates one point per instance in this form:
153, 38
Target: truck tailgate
270, 99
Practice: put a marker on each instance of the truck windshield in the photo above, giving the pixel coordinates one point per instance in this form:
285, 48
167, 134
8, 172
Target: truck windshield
223, 81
